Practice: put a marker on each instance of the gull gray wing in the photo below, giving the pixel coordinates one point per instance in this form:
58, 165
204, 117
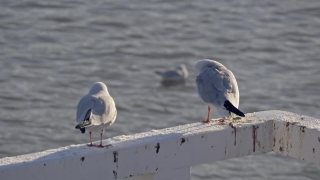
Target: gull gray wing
104, 110
84, 108
231, 88
214, 85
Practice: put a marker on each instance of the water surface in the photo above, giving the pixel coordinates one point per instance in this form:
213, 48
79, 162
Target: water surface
51, 52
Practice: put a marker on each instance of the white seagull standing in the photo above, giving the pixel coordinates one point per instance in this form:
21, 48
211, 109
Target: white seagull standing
96, 111
218, 88
179, 73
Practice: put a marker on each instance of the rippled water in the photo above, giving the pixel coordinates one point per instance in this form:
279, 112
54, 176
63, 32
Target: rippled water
52, 51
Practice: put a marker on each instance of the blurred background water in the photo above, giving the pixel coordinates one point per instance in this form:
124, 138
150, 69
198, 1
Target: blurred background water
52, 52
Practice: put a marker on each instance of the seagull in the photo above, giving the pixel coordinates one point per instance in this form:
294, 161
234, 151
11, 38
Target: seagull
218, 88
179, 73
96, 111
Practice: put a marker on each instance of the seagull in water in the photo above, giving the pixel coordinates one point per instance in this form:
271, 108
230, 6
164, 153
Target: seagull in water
179, 73
96, 111
218, 88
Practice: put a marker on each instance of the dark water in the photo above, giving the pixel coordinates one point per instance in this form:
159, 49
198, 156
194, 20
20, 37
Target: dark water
52, 51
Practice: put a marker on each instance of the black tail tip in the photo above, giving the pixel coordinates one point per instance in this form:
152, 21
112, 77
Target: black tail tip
229, 106
83, 130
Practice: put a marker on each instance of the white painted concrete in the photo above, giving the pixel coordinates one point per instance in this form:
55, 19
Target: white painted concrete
169, 153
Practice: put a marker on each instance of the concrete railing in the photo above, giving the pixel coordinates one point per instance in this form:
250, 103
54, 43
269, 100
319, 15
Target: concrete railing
169, 153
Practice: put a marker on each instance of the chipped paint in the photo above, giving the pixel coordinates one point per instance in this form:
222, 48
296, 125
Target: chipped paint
158, 148
254, 137
235, 132
115, 174
302, 128
182, 141
301, 135
281, 149
115, 156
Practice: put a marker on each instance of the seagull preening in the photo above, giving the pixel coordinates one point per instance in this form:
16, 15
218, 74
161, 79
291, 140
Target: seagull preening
96, 111
179, 73
218, 88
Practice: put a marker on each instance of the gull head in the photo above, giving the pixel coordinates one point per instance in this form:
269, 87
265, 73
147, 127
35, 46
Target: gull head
200, 65
183, 69
97, 87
